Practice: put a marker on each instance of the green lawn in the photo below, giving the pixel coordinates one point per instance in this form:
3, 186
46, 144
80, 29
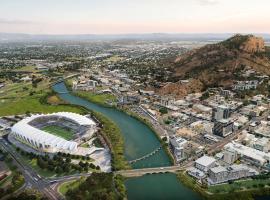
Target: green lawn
239, 185
41, 172
59, 131
96, 98
63, 188
33, 105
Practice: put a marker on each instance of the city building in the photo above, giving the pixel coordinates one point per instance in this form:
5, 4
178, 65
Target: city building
223, 127
248, 153
262, 144
220, 112
204, 163
177, 144
84, 85
230, 156
222, 174
246, 85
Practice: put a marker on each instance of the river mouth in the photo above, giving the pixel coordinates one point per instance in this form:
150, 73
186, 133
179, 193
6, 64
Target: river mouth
139, 140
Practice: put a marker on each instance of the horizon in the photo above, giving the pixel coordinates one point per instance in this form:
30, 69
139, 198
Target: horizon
104, 17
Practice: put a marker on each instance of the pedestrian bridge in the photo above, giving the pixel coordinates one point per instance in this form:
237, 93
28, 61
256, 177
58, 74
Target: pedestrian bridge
146, 156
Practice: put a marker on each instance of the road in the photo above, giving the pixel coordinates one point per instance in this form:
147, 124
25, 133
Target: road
31, 177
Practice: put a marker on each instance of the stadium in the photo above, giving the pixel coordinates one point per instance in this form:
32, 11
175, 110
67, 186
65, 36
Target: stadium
57, 132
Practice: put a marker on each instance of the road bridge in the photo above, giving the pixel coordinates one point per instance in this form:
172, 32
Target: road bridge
141, 172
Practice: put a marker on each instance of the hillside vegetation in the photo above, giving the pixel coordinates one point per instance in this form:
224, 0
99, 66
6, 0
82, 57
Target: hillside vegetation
217, 64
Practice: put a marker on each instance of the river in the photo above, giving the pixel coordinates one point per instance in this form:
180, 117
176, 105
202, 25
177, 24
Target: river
139, 140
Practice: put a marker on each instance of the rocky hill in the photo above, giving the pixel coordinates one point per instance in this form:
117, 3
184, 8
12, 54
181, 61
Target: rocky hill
218, 64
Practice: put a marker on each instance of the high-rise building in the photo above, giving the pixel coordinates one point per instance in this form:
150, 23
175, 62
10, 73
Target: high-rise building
223, 127
221, 112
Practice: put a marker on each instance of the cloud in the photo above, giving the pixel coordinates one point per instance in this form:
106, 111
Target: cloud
15, 21
208, 2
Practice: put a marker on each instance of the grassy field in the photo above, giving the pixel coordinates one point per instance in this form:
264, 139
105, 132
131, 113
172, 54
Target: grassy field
55, 100
41, 172
19, 98
239, 185
32, 104
59, 131
28, 68
63, 188
96, 98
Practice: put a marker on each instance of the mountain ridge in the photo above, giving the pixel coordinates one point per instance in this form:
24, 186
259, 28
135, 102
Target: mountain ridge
216, 65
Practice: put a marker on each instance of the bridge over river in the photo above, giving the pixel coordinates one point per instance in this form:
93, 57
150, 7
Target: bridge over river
146, 156
141, 172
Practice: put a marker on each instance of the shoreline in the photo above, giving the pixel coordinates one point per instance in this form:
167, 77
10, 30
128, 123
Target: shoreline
132, 114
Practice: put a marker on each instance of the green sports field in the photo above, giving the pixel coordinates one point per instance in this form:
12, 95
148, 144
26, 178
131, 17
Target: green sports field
59, 131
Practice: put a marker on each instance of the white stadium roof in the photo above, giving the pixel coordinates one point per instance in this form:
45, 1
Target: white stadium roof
42, 137
82, 120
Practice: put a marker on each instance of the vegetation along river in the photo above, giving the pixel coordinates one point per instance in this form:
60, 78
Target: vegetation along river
139, 140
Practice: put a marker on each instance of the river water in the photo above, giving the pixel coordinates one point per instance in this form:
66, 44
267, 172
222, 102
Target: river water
139, 140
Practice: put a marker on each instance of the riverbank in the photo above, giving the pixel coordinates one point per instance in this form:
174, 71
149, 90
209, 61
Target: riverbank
150, 126
111, 133
102, 101
231, 192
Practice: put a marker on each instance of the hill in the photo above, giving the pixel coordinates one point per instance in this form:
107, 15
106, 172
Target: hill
218, 64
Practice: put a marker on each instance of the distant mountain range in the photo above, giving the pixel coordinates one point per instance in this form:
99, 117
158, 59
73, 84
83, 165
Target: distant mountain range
7, 37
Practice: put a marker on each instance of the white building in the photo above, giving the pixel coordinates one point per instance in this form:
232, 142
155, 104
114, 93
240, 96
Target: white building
177, 145
246, 85
204, 163
262, 144
250, 154
230, 156
221, 112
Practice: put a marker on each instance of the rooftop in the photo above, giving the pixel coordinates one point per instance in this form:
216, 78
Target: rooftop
205, 160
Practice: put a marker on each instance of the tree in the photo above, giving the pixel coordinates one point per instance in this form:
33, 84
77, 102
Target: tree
163, 110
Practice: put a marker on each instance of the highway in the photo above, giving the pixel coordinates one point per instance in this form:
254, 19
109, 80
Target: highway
31, 177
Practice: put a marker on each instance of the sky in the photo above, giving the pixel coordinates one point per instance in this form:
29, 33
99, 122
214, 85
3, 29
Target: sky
134, 16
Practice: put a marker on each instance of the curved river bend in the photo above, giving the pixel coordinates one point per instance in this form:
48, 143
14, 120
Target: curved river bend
139, 140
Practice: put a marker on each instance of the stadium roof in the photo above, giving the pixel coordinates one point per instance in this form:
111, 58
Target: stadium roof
24, 129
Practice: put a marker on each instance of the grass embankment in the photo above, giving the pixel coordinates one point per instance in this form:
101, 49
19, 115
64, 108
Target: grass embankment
70, 185
101, 99
103, 186
111, 133
239, 190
